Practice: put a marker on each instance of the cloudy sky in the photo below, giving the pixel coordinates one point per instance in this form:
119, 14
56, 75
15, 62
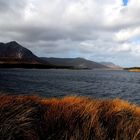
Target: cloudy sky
99, 30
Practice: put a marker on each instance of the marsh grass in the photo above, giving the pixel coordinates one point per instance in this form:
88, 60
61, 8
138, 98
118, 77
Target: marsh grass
68, 118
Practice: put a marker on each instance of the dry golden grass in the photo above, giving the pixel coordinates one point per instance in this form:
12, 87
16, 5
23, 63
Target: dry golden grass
134, 70
68, 118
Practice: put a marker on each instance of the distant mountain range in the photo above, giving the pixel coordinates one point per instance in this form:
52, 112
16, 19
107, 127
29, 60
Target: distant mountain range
77, 63
111, 65
14, 55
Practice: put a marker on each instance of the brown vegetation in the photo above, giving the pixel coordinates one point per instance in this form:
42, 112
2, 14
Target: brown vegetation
68, 118
134, 70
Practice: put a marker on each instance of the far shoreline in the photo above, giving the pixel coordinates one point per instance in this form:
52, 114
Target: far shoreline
133, 69
43, 66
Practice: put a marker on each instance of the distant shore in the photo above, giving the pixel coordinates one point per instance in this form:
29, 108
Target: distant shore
33, 66
133, 69
44, 66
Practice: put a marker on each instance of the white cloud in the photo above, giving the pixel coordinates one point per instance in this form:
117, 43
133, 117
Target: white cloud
127, 34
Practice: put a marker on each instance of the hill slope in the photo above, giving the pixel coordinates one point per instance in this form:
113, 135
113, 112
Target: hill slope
111, 65
12, 52
78, 63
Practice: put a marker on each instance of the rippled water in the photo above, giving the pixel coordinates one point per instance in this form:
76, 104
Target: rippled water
56, 83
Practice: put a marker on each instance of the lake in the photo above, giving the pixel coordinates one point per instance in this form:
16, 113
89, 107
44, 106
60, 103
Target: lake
58, 83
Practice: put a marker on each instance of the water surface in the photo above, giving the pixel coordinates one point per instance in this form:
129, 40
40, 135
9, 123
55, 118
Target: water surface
56, 83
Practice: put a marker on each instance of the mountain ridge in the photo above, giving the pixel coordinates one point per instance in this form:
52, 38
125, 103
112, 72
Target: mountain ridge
12, 54
111, 65
77, 63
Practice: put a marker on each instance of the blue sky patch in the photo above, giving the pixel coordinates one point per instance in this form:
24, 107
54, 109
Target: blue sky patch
125, 2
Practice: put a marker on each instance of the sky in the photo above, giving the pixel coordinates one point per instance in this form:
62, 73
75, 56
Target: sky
125, 2
99, 30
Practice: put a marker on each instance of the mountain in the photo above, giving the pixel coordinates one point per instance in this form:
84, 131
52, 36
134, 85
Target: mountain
111, 65
77, 63
12, 52
13, 55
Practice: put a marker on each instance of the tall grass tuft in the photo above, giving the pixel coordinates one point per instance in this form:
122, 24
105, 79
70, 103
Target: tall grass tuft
68, 118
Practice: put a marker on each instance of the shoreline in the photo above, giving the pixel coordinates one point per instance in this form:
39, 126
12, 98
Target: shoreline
133, 69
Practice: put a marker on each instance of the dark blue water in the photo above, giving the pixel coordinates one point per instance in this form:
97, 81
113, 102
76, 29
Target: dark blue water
56, 83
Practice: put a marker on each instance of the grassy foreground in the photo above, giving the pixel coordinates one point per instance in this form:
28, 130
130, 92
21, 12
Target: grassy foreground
68, 118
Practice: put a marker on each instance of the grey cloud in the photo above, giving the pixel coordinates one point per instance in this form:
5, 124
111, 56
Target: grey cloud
35, 33
69, 28
6, 5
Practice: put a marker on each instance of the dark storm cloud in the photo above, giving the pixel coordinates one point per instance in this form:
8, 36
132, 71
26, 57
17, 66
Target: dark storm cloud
37, 33
15, 6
